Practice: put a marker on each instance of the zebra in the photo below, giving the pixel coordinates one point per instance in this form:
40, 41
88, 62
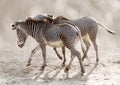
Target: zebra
88, 27
21, 41
22, 38
46, 33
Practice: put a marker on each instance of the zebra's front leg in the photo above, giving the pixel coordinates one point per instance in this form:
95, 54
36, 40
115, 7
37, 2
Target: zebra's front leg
32, 53
70, 63
74, 52
57, 53
43, 47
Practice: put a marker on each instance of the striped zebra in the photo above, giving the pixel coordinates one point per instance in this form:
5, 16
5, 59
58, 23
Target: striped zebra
46, 33
88, 27
21, 41
22, 38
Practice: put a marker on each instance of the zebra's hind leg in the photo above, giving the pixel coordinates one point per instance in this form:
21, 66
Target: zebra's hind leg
70, 63
87, 44
74, 52
93, 39
32, 53
96, 49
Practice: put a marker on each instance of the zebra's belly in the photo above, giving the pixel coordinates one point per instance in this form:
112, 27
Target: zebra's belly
55, 43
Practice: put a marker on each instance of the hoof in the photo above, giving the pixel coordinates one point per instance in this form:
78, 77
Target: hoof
60, 58
66, 69
28, 64
82, 72
63, 64
83, 59
42, 68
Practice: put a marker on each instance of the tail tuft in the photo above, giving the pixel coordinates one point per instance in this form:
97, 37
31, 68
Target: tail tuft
111, 32
107, 29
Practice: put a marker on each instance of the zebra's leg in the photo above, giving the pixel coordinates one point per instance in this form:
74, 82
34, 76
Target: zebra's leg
74, 52
93, 39
32, 53
87, 44
64, 60
43, 47
70, 63
57, 53
96, 49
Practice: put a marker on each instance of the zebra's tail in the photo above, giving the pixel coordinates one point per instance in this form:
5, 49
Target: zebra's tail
106, 28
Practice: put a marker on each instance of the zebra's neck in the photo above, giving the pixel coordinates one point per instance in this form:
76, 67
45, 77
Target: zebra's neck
32, 28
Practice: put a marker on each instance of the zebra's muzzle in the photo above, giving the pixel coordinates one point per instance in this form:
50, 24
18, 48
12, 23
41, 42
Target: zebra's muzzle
20, 44
13, 28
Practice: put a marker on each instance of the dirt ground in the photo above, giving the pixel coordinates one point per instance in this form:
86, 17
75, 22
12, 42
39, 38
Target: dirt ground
13, 70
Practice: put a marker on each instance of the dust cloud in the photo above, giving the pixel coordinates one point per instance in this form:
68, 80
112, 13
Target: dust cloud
13, 58
105, 11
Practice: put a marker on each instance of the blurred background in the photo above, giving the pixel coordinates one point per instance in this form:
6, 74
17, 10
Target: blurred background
106, 12
13, 60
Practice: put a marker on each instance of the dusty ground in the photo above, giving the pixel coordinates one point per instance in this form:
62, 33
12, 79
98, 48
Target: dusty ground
13, 70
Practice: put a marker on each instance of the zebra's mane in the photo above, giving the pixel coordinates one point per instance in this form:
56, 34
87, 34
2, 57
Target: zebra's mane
61, 18
34, 21
41, 19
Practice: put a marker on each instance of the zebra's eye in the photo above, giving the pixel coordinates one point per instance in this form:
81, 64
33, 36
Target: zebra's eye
13, 25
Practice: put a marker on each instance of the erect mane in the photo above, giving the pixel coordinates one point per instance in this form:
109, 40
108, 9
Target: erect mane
61, 18
42, 19
34, 21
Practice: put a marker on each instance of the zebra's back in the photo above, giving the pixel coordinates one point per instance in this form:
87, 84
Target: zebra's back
86, 25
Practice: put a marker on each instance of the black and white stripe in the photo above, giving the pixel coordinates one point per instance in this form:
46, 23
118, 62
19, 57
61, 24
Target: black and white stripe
46, 33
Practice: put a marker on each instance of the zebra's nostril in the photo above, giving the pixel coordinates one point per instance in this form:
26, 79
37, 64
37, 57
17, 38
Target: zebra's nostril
13, 28
21, 45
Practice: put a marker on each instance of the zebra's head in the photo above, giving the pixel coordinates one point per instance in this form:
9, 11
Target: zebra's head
22, 36
15, 25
